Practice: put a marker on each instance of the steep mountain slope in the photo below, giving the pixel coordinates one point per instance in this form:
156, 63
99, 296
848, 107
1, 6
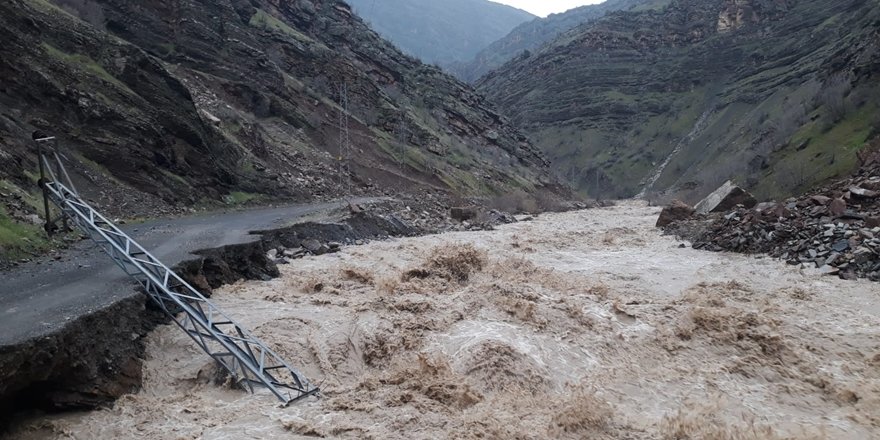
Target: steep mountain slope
532, 35
163, 104
777, 94
440, 32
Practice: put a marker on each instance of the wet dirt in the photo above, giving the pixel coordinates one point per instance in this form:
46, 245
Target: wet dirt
584, 324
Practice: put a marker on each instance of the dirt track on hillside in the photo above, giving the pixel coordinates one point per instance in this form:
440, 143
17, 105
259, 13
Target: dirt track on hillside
577, 325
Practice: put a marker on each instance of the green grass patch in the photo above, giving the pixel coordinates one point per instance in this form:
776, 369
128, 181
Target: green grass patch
86, 63
264, 20
33, 175
241, 198
179, 179
19, 240
651, 5
33, 199
101, 169
167, 48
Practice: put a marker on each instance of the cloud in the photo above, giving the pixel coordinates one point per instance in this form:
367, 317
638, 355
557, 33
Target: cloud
546, 7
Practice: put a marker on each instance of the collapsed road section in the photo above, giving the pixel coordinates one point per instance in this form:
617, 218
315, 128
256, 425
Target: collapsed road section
248, 360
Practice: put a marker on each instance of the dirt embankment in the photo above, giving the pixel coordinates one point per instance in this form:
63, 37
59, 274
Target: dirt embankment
98, 357
576, 325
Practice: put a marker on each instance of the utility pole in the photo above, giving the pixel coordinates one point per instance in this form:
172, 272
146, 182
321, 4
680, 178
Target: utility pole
402, 136
344, 141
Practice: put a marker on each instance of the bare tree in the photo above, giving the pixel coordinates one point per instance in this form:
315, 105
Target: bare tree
833, 96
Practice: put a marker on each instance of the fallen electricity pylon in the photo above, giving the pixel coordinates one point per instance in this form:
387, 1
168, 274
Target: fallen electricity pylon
246, 358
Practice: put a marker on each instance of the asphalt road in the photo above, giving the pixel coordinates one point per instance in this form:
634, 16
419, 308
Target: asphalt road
38, 298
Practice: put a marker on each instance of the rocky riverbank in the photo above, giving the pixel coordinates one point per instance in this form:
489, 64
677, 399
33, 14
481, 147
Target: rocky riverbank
835, 229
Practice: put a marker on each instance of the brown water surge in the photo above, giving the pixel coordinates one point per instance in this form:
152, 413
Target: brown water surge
583, 324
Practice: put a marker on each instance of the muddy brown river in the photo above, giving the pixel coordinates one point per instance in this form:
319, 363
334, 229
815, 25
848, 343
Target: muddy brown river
577, 325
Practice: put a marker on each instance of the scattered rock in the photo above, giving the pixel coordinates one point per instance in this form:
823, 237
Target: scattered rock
823, 229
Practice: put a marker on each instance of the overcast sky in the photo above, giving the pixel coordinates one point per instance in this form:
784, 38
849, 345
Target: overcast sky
544, 8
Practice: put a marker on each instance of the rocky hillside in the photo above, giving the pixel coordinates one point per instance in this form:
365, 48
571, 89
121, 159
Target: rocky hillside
776, 94
440, 32
163, 105
532, 35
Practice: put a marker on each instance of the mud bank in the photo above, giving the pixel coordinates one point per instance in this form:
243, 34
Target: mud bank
91, 361
577, 325
97, 357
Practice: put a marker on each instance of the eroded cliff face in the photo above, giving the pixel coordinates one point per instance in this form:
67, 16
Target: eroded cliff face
735, 14
778, 95
532, 35
169, 103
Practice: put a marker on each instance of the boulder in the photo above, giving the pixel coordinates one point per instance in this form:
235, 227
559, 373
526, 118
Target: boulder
725, 198
837, 207
208, 117
676, 211
863, 193
313, 246
829, 270
464, 213
821, 200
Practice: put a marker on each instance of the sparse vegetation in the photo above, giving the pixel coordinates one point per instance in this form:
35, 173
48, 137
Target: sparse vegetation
264, 20
19, 240
241, 198
85, 63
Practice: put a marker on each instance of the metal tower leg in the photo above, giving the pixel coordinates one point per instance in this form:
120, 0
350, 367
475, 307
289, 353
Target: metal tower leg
250, 361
